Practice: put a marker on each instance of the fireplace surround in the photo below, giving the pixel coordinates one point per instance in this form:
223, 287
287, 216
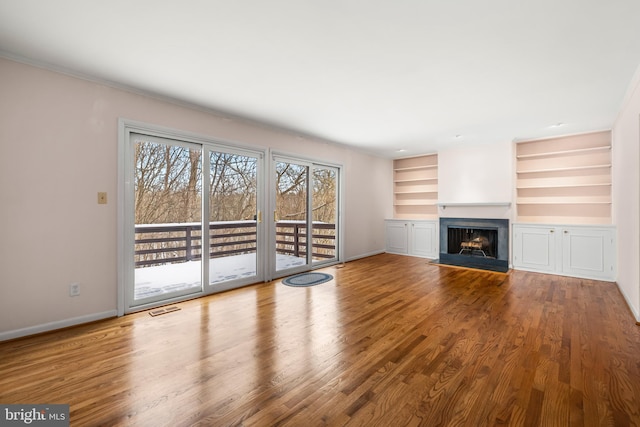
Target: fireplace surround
475, 242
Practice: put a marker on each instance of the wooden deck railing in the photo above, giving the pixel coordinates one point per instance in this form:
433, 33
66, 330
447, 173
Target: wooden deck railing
170, 243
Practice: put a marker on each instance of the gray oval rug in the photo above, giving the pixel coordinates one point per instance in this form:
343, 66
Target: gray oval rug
307, 279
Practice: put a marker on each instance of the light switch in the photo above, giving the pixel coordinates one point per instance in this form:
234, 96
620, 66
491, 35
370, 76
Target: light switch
102, 198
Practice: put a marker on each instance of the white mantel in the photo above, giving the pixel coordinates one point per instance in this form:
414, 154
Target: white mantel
444, 205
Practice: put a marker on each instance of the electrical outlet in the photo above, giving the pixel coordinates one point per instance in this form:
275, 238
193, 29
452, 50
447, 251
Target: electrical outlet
74, 289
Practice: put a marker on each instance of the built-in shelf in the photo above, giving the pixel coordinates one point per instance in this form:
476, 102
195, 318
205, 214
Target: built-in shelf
415, 180
565, 169
564, 152
414, 192
413, 168
531, 187
561, 201
415, 187
414, 203
568, 178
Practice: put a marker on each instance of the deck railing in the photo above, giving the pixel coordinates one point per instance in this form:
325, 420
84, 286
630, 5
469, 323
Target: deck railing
171, 243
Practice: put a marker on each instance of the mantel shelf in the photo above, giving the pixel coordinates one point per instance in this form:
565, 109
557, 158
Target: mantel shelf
474, 205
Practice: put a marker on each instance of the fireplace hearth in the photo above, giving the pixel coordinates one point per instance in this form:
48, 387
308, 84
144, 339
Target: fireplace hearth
475, 242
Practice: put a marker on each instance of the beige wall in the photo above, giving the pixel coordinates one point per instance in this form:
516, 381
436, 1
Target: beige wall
59, 139
626, 194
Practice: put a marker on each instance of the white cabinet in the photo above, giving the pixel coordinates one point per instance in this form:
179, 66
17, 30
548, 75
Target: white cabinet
397, 237
417, 238
588, 252
570, 250
534, 248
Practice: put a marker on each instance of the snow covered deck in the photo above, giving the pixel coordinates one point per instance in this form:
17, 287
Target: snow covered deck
155, 280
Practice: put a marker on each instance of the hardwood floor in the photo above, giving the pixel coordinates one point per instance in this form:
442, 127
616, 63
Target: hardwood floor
391, 341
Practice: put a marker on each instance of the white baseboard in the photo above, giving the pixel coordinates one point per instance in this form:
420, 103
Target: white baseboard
628, 301
59, 324
353, 258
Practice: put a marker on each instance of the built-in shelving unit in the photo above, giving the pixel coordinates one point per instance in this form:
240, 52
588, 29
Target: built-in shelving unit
565, 179
415, 187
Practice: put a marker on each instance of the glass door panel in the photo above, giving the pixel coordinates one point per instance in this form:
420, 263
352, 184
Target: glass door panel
324, 214
168, 219
291, 215
233, 217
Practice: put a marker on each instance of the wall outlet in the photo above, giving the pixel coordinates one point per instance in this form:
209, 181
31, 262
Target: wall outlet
74, 289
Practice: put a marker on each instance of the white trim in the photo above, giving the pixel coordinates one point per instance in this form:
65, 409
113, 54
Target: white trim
628, 301
58, 324
367, 255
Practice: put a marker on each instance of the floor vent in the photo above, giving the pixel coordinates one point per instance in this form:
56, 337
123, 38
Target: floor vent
165, 310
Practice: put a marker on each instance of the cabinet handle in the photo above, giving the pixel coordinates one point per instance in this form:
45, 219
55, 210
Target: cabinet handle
552, 231
566, 231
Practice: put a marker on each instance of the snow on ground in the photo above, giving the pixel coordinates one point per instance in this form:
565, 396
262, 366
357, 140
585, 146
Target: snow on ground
160, 279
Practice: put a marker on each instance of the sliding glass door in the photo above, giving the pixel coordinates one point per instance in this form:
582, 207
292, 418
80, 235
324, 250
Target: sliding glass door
234, 218
168, 219
305, 216
291, 216
191, 217
174, 185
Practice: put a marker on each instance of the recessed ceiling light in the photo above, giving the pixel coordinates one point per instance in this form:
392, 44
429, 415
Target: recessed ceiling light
401, 150
557, 125
458, 136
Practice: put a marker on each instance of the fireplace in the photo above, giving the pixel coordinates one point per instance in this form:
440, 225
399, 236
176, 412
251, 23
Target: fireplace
475, 242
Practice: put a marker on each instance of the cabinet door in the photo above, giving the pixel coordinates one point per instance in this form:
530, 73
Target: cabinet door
397, 237
423, 239
588, 253
534, 248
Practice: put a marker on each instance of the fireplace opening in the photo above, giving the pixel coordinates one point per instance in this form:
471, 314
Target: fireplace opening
475, 242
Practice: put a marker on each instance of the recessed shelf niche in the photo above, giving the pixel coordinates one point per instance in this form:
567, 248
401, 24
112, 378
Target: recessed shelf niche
415, 187
565, 179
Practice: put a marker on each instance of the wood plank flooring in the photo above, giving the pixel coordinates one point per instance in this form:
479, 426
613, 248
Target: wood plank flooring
391, 341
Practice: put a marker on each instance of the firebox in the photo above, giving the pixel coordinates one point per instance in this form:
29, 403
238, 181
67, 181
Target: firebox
475, 242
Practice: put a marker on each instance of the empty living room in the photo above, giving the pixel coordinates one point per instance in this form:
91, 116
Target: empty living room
309, 213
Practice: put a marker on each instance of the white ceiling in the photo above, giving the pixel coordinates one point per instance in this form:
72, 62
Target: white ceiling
379, 75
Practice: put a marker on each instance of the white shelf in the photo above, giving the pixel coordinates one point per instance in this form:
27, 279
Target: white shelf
417, 192
569, 168
414, 180
532, 187
414, 203
564, 152
415, 168
561, 201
